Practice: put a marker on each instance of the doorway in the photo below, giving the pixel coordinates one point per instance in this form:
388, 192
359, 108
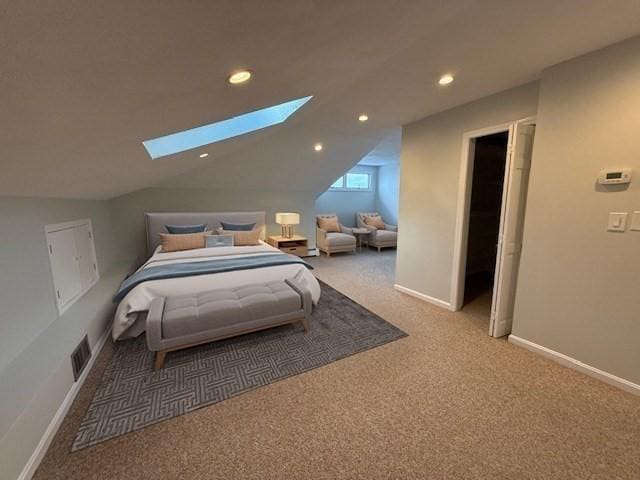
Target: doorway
490, 220
489, 164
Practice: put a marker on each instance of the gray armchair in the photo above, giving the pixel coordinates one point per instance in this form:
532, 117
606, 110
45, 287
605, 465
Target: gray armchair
334, 242
378, 237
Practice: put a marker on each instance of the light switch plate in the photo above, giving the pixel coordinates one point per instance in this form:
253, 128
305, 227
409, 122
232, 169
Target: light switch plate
617, 221
635, 221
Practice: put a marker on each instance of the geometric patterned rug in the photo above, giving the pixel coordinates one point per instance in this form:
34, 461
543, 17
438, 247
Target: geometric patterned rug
132, 395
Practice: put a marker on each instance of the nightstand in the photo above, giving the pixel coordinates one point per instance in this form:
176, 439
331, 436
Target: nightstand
296, 245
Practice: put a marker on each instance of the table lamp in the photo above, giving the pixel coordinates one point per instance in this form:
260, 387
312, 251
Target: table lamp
286, 221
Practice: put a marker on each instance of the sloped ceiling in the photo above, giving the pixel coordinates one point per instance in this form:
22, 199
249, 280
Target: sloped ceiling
386, 152
84, 83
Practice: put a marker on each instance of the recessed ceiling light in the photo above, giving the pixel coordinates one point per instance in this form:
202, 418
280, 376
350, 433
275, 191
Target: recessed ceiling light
240, 76
446, 79
204, 155
317, 147
363, 118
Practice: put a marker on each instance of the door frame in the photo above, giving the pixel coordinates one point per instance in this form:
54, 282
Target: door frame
465, 182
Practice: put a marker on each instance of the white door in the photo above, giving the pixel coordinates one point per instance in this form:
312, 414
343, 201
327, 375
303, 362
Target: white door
514, 199
86, 256
64, 265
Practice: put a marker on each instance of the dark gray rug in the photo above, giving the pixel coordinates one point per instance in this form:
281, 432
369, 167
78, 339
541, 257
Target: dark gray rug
131, 395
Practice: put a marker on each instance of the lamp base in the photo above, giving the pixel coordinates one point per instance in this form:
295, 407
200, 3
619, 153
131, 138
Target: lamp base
287, 231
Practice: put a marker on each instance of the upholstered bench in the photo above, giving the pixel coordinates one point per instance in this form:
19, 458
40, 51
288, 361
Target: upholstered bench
179, 322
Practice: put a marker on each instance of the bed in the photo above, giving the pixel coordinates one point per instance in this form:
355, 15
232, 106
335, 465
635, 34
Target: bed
131, 312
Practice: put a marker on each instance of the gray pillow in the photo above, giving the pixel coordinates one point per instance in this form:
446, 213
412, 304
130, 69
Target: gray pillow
183, 229
218, 241
238, 227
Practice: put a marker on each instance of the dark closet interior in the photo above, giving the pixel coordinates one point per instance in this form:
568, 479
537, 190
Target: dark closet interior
484, 216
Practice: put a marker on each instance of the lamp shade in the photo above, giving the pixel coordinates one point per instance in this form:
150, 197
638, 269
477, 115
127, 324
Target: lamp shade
288, 218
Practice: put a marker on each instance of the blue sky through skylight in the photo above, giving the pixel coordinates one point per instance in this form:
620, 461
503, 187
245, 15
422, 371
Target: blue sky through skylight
215, 132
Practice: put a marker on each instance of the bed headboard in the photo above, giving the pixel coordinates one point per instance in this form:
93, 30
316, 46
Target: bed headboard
156, 222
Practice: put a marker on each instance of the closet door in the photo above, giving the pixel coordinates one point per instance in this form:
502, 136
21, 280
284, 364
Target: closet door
73, 260
86, 256
511, 229
64, 265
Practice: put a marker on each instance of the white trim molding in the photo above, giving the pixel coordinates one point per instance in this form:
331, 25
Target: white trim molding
576, 365
423, 297
38, 454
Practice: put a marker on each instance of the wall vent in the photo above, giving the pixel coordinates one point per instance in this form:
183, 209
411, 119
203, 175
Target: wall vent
80, 357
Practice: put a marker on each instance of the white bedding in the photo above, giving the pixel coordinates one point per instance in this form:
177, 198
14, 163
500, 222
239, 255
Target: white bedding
139, 299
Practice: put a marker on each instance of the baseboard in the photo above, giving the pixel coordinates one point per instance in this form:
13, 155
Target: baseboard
576, 365
313, 252
422, 296
38, 454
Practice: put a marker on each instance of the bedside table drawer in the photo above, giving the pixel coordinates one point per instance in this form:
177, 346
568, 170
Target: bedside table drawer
294, 245
301, 251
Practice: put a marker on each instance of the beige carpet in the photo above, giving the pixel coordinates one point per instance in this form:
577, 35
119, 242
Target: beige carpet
448, 402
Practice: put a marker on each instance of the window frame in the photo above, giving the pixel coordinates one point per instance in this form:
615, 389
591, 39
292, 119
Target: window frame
344, 187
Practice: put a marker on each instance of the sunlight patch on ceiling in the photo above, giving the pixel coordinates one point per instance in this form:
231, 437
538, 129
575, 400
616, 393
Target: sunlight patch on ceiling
218, 131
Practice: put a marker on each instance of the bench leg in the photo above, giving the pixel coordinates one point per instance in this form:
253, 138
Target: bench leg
305, 324
159, 363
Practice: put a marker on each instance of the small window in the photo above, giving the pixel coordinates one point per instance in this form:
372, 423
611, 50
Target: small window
353, 182
73, 261
359, 181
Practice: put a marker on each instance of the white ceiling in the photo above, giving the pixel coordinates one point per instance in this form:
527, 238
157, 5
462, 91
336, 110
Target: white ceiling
84, 83
387, 152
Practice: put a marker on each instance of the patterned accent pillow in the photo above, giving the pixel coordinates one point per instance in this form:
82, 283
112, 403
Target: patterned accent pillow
375, 222
244, 238
182, 229
218, 241
238, 227
330, 224
185, 241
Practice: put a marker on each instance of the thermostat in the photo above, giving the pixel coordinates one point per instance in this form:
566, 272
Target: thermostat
614, 177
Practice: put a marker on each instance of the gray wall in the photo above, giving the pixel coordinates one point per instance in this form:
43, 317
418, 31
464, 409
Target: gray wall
430, 170
35, 342
346, 204
388, 192
128, 210
579, 285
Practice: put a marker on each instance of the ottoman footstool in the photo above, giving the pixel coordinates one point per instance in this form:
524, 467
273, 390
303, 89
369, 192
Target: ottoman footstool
174, 323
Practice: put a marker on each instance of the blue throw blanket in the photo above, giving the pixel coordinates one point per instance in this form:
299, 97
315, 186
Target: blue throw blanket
188, 269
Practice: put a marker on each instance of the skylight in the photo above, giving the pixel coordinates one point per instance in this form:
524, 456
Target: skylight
218, 131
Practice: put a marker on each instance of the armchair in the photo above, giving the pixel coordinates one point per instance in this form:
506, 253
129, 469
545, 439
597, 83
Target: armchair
330, 241
378, 237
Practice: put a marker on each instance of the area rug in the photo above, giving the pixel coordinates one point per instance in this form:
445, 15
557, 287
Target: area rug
131, 395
